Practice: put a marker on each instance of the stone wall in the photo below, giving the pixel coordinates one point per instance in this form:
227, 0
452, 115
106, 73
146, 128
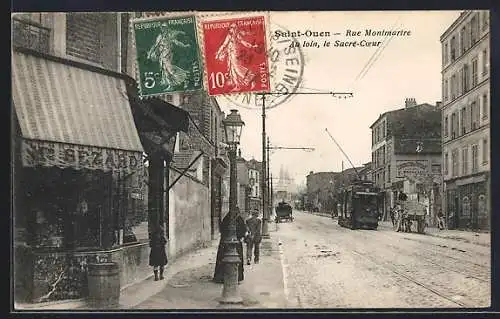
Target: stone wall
189, 215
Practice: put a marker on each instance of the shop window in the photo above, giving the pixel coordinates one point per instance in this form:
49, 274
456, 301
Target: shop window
66, 207
136, 218
465, 207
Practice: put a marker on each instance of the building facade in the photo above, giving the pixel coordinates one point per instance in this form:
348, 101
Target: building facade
365, 173
466, 121
254, 180
320, 190
243, 187
79, 175
78, 68
406, 147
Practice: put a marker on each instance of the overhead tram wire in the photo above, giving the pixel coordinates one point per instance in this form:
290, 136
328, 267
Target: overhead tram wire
377, 53
378, 56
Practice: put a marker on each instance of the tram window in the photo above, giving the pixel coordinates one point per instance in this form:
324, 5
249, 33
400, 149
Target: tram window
348, 204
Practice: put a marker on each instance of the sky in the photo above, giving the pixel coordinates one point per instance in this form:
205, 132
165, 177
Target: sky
407, 67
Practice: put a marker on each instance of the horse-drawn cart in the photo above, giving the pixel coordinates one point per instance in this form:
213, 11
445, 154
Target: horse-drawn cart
409, 216
283, 211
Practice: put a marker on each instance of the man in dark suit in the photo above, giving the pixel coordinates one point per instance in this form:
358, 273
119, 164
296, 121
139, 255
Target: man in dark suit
253, 239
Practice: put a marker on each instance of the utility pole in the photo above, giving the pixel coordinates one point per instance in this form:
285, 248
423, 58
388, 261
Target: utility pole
272, 193
263, 173
270, 202
265, 211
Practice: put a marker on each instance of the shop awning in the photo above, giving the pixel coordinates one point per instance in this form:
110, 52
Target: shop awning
71, 116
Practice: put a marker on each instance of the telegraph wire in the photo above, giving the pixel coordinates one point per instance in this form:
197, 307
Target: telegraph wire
378, 56
377, 53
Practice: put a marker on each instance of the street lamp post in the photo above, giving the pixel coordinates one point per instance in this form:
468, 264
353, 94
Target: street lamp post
233, 126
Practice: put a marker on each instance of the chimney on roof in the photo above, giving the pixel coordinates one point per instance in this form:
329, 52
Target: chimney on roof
410, 102
439, 103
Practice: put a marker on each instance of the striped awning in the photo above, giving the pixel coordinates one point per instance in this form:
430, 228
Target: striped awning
71, 109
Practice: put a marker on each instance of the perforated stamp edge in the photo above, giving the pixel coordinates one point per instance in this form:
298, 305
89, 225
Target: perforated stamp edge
163, 15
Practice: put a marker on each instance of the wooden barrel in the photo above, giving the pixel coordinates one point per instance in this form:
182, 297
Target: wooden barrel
104, 285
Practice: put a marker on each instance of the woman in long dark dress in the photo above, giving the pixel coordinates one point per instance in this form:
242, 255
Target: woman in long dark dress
158, 255
241, 230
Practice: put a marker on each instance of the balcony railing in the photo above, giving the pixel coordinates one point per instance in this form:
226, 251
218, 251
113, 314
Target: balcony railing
30, 35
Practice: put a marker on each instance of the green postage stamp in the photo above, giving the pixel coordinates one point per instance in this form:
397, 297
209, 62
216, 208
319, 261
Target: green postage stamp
168, 56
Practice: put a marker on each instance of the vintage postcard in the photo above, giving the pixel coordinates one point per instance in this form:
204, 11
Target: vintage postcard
301, 160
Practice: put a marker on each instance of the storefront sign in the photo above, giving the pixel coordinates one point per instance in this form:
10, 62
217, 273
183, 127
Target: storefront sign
45, 153
410, 169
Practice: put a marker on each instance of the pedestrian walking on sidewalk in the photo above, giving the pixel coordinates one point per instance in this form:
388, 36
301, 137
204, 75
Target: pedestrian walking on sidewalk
241, 230
254, 226
158, 255
440, 219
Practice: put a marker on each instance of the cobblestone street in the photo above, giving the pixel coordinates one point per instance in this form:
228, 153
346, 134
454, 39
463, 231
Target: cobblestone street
327, 266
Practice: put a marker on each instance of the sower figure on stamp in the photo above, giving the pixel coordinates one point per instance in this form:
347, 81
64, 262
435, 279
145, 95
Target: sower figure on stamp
241, 230
163, 52
254, 225
239, 75
158, 255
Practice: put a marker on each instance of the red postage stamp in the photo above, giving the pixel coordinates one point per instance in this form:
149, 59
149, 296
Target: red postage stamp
236, 55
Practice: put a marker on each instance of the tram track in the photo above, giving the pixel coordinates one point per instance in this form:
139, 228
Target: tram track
416, 282
412, 274
477, 272
433, 262
456, 281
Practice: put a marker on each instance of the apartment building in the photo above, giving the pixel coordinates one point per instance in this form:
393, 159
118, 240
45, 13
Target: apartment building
406, 146
466, 121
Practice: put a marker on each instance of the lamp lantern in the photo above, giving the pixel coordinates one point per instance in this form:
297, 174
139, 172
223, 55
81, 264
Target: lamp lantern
233, 125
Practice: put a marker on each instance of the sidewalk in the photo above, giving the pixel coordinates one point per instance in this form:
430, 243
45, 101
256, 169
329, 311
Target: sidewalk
188, 284
192, 287
477, 238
